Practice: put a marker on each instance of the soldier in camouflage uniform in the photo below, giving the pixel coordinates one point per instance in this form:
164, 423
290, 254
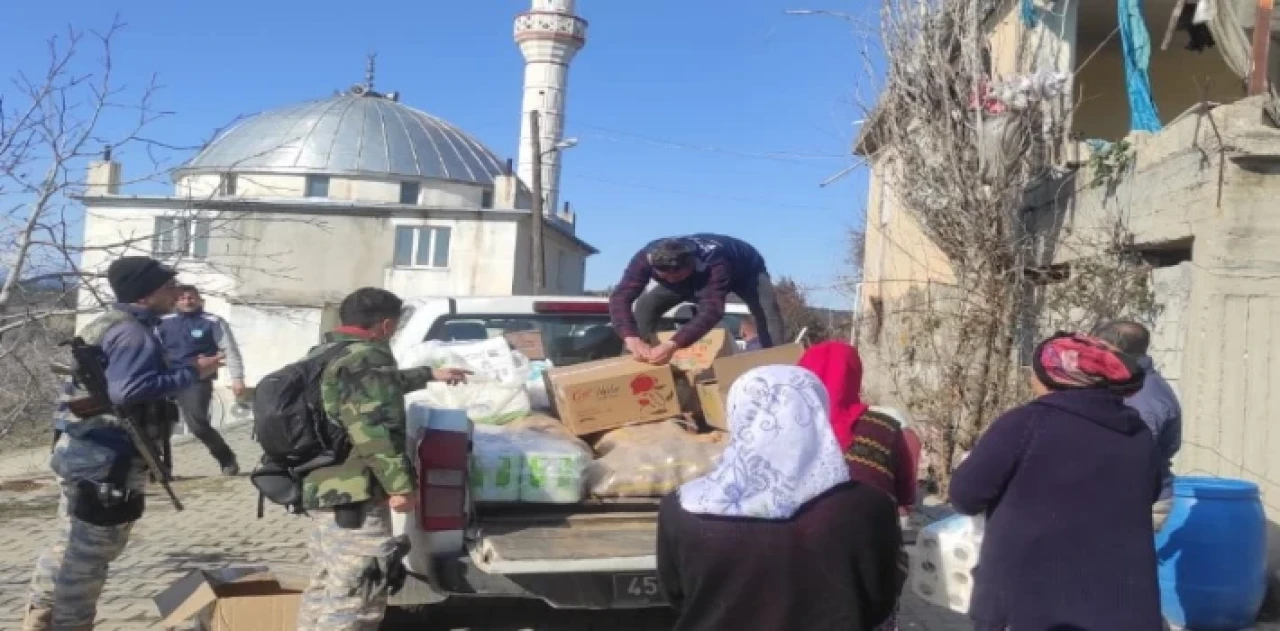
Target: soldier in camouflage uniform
350, 503
91, 532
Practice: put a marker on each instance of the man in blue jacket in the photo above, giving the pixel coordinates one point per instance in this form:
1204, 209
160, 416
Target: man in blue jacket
1156, 403
102, 478
702, 267
189, 333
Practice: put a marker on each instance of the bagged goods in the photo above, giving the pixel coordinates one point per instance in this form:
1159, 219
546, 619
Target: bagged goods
496, 391
943, 560
496, 463
650, 460
486, 403
533, 459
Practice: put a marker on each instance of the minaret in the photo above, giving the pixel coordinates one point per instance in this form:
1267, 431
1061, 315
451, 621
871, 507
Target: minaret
549, 36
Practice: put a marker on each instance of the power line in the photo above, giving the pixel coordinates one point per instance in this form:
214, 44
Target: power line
755, 201
614, 135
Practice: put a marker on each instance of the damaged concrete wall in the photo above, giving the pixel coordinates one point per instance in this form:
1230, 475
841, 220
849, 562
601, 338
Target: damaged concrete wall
1225, 302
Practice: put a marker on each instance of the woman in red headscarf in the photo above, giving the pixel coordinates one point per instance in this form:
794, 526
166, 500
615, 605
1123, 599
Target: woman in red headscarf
874, 444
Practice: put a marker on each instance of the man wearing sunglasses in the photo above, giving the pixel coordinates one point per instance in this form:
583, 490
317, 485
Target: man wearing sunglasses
701, 268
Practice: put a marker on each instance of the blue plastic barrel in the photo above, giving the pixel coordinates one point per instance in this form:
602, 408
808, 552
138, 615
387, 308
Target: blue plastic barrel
1212, 555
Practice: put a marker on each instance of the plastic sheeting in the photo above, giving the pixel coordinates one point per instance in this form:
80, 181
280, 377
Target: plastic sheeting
1135, 41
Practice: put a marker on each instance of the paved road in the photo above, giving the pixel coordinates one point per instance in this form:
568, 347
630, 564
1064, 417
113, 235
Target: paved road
220, 528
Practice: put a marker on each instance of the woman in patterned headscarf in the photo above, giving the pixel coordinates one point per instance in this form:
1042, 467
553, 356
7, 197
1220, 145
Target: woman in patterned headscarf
1066, 483
777, 537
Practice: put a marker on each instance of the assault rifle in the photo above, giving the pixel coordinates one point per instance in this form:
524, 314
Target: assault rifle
90, 373
387, 571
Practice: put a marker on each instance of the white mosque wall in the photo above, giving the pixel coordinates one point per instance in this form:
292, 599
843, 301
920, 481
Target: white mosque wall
432, 193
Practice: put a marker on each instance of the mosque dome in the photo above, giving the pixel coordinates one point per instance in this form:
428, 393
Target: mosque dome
358, 132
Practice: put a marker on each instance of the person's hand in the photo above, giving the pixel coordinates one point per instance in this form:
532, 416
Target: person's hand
662, 353
237, 387
403, 503
450, 375
208, 366
638, 348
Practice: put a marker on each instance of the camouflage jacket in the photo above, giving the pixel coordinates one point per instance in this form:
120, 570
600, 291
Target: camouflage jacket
363, 389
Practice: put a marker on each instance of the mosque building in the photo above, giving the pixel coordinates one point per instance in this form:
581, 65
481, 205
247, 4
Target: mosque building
287, 211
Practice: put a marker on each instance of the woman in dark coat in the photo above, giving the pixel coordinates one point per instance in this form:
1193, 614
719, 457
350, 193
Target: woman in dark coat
777, 537
1066, 483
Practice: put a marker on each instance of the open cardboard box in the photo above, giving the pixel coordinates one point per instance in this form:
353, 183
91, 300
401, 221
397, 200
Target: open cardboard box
713, 388
255, 598
699, 357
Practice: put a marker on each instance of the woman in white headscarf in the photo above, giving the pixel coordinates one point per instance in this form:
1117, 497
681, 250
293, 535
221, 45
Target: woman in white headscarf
777, 536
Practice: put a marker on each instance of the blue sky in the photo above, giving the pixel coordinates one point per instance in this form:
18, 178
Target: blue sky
692, 115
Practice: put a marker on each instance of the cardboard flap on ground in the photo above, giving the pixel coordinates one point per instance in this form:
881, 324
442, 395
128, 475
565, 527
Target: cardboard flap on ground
252, 598
698, 358
595, 396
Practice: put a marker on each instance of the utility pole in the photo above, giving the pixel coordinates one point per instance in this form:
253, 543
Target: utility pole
536, 219
1261, 46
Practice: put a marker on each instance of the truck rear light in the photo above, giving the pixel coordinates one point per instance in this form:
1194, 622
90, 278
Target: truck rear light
543, 306
443, 458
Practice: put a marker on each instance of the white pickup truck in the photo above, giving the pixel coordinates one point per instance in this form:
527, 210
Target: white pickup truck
595, 555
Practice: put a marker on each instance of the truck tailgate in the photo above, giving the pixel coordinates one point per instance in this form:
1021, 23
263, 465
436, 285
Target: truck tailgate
531, 544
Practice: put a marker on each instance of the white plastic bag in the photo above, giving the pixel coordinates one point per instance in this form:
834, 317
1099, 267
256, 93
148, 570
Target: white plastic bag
650, 460
490, 360
486, 402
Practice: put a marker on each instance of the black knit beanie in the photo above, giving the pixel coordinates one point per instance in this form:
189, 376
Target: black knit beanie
133, 278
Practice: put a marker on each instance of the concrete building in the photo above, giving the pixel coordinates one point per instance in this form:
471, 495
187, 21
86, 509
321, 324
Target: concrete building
1198, 200
287, 211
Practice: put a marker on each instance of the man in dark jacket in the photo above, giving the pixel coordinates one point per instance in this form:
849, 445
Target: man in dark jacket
103, 480
1156, 403
191, 332
702, 267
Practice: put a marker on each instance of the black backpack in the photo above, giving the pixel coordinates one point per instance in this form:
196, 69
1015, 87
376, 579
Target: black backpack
295, 434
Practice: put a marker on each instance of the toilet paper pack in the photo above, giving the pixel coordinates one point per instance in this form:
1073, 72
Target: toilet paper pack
943, 560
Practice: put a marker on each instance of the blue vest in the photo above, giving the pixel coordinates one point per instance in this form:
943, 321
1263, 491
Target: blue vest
187, 336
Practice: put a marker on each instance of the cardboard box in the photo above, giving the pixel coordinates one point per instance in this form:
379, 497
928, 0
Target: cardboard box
727, 369
698, 357
712, 402
234, 599
529, 343
713, 388
596, 396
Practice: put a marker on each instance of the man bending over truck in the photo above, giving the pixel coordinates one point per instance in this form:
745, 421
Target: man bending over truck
704, 268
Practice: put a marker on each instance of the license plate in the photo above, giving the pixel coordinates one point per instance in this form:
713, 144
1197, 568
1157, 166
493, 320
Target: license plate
637, 589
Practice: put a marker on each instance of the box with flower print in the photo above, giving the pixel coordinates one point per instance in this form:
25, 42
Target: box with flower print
610, 393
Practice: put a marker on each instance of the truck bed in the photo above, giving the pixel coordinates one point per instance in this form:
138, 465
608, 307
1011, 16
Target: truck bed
592, 535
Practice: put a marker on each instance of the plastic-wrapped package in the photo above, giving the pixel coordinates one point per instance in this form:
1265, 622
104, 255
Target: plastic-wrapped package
555, 461
536, 386
943, 560
650, 460
533, 459
496, 464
